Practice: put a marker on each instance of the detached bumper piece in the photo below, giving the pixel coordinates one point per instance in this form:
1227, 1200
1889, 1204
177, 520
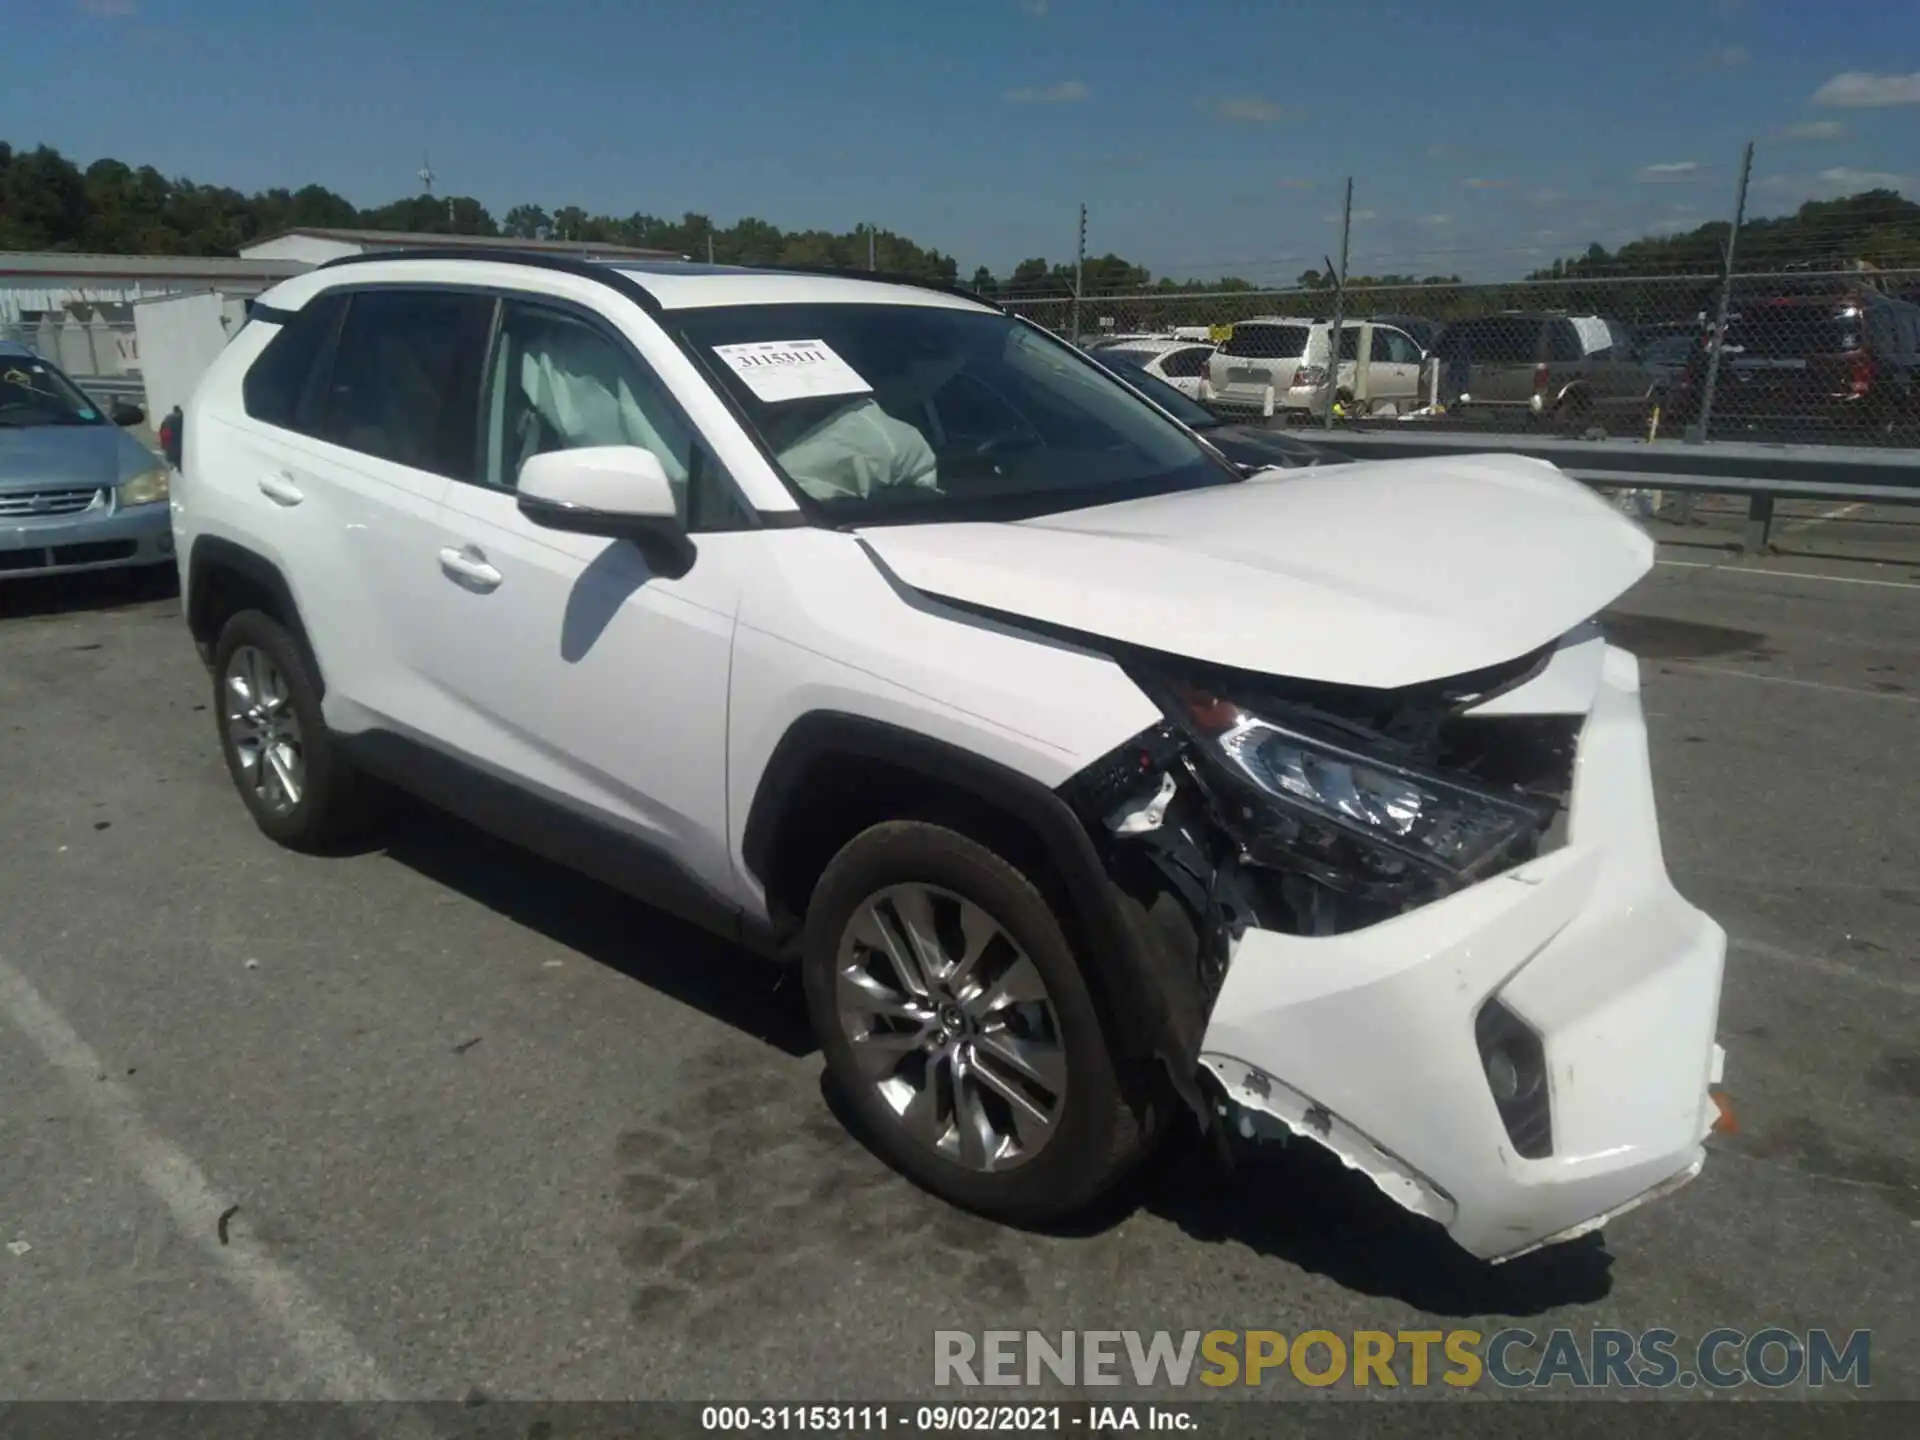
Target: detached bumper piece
1521, 1060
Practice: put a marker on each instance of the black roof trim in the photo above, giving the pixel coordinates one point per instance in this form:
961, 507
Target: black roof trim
604, 272
610, 272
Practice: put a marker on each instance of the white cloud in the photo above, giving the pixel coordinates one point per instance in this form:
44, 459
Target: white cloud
1248, 110
1067, 92
1334, 219
1035, 8
1441, 152
1435, 221
1480, 182
1814, 130
1728, 57
1859, 90
1668, 172
1545, 198
1844, 179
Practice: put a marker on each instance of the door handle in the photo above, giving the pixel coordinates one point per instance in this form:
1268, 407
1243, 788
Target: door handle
469, 567
280, 489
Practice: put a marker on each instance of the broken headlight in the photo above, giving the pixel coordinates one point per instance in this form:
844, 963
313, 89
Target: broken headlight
1358, 822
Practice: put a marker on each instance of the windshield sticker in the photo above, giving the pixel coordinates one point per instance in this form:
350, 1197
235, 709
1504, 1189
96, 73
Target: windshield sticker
777, 370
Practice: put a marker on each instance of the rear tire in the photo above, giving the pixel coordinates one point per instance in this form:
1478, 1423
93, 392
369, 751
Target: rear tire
959, 1027
286, 764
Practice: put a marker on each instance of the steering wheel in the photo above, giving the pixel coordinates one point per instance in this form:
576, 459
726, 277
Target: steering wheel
1006, 442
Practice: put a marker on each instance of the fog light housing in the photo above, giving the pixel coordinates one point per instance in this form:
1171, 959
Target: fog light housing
1515, 1064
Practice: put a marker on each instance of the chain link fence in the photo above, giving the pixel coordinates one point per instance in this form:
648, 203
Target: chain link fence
1813, 355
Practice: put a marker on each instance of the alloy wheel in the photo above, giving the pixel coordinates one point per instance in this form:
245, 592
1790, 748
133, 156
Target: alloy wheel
951, 1024
264, 729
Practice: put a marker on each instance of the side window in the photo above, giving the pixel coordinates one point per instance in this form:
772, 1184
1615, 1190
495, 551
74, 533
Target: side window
1395, 348
1563, 342
1185, 364
1349, 342
280, 385
405, 381
558, 382
1380, 352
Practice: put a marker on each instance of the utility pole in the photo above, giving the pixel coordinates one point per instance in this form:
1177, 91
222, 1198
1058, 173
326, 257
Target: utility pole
709, 247
1339, 305
871, 265
1079, 277
1697, 431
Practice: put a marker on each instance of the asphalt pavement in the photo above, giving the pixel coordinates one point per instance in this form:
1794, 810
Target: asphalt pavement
438, 1120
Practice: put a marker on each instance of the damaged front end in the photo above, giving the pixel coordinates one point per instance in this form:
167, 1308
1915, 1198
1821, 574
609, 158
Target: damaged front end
1390, 922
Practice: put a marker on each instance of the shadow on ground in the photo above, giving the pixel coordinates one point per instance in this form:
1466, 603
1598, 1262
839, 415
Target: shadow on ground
680, 960
1657, 637
28, 595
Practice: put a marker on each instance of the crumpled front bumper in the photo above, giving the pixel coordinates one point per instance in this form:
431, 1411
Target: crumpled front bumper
1365, 1042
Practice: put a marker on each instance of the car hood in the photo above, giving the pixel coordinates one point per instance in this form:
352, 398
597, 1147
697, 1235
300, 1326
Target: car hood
43, 456
1376, 574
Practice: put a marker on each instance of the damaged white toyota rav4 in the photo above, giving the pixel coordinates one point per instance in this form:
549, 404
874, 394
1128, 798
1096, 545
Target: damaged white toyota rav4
1085, 778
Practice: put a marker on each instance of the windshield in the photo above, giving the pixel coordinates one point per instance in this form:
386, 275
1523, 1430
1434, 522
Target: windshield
891, 413
1130, 365
32, 392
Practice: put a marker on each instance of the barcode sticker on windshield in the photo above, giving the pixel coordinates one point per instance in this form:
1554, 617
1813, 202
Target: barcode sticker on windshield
777, 370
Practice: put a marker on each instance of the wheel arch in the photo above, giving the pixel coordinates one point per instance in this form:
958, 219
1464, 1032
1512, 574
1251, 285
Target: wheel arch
225, 577
801, 815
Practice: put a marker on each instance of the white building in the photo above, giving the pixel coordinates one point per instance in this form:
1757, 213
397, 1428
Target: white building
316, 245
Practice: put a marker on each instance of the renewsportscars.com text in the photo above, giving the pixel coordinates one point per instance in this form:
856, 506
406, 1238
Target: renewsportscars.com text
1513, 1358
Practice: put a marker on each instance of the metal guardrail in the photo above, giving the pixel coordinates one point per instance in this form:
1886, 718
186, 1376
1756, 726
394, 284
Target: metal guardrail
1763, 473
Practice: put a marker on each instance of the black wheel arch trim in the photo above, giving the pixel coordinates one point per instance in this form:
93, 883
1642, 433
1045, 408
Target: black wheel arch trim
1134, 998
213, 553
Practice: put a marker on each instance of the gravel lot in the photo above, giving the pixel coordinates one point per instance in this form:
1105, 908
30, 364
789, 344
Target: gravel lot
491, 1128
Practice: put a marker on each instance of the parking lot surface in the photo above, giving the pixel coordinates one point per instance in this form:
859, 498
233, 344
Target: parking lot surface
492, 1130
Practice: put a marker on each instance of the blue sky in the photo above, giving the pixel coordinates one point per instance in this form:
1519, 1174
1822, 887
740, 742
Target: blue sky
1205, 136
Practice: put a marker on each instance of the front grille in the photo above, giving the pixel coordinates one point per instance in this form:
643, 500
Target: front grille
31, 503
94, 552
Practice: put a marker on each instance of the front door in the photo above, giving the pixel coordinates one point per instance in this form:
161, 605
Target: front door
581, 676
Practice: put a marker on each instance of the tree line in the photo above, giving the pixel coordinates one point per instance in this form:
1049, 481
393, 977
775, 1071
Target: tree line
48, 202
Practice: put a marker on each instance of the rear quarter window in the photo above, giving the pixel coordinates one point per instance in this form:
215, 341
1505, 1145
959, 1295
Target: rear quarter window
280, 384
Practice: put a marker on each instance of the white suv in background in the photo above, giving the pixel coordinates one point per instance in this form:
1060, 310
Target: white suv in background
1277, 365
1086, 780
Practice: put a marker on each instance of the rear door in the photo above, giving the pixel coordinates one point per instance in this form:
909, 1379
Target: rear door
1396, 368
1256, 363
356, 413
1789, 361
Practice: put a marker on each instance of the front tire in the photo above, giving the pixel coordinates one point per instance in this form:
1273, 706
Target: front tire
960, 1028
283, 760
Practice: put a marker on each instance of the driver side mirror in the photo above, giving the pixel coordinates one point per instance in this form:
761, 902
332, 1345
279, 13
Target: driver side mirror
617, 491
125, 414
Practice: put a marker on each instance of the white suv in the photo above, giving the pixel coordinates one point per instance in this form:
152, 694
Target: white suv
1277, 364
1086, 780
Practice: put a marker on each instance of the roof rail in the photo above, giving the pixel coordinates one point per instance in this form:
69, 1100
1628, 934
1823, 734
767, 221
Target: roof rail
606, 272
603, 269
